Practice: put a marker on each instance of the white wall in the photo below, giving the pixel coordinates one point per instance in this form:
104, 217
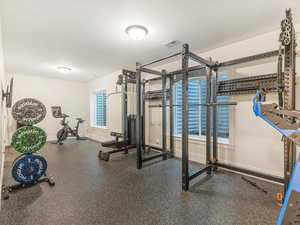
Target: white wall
114, 106
252, 143
2, 75
70, 95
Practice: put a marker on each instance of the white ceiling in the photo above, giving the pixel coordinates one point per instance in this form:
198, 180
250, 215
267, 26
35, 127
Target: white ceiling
88, 35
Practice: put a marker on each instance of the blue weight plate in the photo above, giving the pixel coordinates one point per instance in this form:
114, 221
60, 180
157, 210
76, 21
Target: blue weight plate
29, 169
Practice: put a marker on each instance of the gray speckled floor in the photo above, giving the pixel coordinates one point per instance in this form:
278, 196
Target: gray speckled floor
89, 191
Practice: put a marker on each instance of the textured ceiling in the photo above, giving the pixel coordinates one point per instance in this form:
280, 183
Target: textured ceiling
88, 35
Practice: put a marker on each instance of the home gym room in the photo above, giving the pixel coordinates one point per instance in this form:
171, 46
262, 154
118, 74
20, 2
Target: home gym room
149, 112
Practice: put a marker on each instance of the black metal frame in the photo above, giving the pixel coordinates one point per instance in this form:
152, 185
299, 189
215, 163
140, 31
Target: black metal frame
140, 128
130, 77
162, 76
69, 131
248, 85
212, 91
104, 153
211, 101
212, 163
14, 187
214, 88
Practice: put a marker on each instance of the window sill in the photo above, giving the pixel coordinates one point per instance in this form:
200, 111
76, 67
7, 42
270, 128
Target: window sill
100, 127
224, 141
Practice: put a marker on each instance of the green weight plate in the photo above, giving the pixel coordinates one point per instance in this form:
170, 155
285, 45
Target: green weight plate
29, 139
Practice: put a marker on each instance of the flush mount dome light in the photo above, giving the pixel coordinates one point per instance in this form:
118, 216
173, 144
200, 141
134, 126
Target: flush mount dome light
136, 32
64, 69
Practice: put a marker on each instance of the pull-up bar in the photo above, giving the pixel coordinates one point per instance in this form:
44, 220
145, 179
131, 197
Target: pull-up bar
179, 72
161, 59
146, 70
190, 69
200, 60
249, 58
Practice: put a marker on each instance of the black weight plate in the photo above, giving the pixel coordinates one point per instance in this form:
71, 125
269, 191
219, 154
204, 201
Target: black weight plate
28, 111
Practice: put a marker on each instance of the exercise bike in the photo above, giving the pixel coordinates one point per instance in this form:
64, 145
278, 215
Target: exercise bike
66, 131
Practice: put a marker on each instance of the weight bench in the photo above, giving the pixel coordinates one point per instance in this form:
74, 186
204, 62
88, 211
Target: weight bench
116, 142
114, 146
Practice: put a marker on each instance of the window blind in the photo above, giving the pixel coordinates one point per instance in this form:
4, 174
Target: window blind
100, 109
197, 115
194, 111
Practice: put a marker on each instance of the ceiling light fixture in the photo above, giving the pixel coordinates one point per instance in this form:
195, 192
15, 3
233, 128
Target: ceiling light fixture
136, 32
64, 69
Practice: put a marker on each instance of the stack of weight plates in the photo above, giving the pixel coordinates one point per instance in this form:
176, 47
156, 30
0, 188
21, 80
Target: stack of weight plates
29, 168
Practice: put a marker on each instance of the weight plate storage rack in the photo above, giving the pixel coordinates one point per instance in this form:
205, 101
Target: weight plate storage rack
29, 169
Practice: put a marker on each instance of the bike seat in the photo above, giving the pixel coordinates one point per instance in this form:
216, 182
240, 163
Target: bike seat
116, 134
64, 115
80, 120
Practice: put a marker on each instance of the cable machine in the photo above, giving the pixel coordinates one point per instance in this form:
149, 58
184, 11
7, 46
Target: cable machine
125, 140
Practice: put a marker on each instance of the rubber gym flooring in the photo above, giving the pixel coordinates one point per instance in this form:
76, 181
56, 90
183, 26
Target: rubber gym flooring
90, 192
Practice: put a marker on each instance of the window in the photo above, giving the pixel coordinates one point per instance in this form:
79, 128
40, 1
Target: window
223, 115
194, 112
197, 115
100, 102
